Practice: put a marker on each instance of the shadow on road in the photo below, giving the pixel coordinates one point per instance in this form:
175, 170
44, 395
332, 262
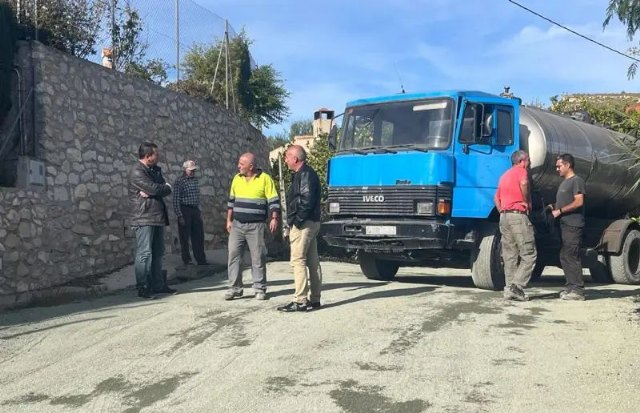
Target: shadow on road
400, 292
440, 280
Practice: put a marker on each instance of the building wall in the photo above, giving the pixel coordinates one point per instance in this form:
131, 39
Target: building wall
89, 123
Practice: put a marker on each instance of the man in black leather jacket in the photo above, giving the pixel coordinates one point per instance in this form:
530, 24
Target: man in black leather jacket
303, 217
149, 216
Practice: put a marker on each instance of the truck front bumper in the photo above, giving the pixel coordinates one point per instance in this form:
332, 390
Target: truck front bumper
387, 236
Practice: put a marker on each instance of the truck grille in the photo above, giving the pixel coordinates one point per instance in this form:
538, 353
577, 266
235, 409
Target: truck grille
385, 200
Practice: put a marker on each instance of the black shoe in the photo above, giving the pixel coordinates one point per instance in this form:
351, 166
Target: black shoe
166, 290
203, 263
315, 304
293, 306
145, 293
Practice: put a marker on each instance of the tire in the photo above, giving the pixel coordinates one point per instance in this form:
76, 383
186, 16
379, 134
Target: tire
625, 267
377, 269
598, 267
487, 270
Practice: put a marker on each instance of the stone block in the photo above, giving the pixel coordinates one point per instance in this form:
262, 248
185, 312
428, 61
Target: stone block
22, 270
12, 241
24, 230
60, 194
74, 155
83, 229
80, 191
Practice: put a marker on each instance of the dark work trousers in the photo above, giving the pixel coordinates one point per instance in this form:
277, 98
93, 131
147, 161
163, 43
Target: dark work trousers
570, 256
148, 261
193, 229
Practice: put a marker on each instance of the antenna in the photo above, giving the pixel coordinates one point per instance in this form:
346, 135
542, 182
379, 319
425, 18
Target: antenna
399, 78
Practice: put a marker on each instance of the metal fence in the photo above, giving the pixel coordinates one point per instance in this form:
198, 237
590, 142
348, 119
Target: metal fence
170, 27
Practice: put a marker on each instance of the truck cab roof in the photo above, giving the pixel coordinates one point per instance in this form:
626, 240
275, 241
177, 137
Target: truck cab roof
455, 94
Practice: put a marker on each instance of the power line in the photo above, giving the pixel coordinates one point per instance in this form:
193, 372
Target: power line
574, 32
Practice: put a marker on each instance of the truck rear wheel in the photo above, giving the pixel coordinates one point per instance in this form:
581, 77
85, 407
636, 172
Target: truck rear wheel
625, 267
376, 269
487, 270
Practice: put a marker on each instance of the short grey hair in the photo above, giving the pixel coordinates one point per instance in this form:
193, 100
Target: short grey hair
518, 156
301, 154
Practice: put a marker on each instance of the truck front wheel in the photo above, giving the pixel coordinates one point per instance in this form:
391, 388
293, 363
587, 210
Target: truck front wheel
376, 269
625, 267
486, 264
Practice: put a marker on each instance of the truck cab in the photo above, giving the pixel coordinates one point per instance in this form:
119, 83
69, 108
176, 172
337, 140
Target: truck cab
413, 178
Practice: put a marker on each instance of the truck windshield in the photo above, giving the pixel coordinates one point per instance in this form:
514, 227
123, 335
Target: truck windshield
420, 124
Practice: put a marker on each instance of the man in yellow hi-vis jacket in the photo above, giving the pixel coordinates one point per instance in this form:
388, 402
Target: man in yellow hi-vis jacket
252, 199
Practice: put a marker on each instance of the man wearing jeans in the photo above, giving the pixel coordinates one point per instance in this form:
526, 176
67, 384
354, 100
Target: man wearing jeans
252, 199
519, 252
149, 216
569, 209
303, 217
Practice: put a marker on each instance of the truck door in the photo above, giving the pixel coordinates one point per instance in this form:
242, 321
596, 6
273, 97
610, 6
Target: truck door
485, 140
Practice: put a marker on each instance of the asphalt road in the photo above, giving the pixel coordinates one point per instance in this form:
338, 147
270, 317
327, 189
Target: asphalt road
428, 342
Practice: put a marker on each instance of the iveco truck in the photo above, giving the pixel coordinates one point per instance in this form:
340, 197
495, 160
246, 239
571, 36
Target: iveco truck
414, 175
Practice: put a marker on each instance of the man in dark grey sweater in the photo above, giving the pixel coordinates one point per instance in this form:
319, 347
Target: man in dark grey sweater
569, 209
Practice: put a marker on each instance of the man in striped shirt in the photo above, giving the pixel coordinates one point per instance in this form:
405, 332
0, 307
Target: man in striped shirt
252, 199
186, 204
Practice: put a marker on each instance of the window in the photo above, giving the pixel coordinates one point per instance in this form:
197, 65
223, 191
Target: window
399, 125
505, 127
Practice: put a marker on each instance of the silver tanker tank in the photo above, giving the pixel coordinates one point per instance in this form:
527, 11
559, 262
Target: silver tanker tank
599, 160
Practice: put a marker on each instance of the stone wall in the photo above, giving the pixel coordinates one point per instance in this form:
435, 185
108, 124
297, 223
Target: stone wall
89, 123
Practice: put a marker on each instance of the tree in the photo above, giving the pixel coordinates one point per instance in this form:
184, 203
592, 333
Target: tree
318, 159
628, 13
129, 49
255, 93
71, 26
615, 112
301, 128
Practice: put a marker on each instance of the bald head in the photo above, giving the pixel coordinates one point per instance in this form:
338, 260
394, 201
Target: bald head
247, 164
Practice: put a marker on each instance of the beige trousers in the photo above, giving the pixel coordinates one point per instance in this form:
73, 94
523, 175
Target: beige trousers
304, 254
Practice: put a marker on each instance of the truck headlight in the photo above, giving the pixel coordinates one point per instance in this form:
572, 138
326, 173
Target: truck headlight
334, 207
424, 208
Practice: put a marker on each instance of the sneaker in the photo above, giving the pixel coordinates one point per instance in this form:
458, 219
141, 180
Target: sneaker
515, 293
563, 293
293, 306
230, 295
572, 296
314, 304
145, 293
261, 295
166, 290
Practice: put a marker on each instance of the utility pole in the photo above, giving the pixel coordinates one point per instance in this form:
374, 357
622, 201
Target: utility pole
35, 13
114, 51
226, 66
177, 40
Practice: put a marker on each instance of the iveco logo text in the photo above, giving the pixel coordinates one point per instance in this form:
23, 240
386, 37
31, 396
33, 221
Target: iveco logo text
372, 198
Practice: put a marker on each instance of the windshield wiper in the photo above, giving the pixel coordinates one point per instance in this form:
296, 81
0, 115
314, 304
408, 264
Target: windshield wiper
384, 150
409, 146
354, 150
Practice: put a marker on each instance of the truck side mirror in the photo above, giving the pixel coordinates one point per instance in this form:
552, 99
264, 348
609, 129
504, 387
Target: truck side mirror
487, 125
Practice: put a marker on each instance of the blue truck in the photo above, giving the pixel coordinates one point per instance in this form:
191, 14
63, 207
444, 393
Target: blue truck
413, 178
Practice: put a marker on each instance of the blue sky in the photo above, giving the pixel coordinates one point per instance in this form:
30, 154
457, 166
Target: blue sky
331, 52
